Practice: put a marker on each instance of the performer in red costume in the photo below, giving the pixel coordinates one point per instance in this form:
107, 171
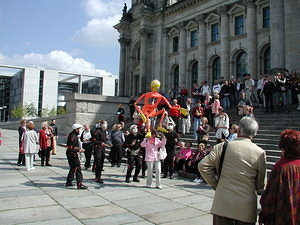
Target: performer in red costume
149, 109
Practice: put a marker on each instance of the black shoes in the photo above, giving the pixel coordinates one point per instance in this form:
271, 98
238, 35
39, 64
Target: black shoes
135, 179
127, 180
47, 164
81, 186
99, 180
69, 184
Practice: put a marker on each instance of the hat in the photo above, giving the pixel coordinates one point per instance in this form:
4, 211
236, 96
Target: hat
133, 126
76, 126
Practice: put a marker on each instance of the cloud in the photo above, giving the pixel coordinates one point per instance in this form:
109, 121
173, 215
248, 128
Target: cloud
99, 31
54, 60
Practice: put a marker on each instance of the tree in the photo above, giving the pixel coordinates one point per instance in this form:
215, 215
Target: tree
18, 112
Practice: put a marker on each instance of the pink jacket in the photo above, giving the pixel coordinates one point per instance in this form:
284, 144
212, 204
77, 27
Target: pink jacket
215, 106
152, 145
184, 153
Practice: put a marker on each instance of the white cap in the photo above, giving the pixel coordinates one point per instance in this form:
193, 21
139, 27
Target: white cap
133, 126
76, 126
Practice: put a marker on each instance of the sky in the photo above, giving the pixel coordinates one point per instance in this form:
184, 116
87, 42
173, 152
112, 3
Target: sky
68, 35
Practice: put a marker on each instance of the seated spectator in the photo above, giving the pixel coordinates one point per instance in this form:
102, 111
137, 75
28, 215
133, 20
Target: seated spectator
184, 154
192, 163
244, 106
233, 132
203, 131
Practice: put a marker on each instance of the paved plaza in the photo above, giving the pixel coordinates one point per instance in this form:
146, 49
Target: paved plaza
40, 197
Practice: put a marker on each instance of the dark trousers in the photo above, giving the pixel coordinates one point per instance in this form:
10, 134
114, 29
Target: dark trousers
45, 156
88, 154
269, 102
75, 169
179, 165
115, 154
220, 220
260, 100
133, 161
193, 168
168, 164
144, 164
99, 156
21, 159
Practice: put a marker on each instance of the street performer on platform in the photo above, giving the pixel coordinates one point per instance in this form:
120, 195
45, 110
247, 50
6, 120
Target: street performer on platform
149, 109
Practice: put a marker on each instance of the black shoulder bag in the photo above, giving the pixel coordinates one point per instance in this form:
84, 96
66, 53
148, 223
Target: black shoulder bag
222, 159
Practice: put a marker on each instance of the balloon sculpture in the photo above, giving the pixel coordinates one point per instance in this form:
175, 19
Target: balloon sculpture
149, 109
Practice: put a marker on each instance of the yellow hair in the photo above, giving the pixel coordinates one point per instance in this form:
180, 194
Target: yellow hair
155, 84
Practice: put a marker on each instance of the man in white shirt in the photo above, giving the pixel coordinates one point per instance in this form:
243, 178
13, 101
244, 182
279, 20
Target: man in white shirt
216, 87
249, 87
259, 88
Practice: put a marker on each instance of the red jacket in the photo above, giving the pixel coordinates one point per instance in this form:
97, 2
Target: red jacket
198, 112
43, 139
174, 111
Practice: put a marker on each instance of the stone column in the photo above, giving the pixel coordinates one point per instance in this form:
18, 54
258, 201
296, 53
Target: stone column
225, 55
80, 84
251, 38
122, 70
143, 60
202, 75
182, 52
277, 33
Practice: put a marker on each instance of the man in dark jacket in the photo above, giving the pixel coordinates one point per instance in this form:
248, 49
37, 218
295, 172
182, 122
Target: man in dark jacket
73, 159
268, 90
134, 157
100, 138
172, 139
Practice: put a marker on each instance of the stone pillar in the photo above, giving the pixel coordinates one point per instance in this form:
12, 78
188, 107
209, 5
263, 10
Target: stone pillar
80, 84
277, 33
122, 70
143, 60
202, 75
182, 52
225, 55
251, 38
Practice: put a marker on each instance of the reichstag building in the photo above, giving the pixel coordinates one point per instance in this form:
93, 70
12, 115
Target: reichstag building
181, 42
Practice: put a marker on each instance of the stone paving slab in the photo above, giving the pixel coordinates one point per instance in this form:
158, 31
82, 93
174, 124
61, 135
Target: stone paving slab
116, 219
64, 221
24, 215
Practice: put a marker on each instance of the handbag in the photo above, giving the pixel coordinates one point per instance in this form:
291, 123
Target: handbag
162, 153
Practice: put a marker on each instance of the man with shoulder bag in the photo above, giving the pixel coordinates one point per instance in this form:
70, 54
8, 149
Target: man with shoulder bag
241, 176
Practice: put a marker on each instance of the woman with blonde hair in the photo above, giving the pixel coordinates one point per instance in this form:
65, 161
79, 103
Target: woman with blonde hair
30, 145
45, 140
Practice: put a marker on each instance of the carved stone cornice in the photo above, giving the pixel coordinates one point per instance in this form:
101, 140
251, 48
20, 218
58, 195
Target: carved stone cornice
201, 18
124, 41
144, 32
222, 10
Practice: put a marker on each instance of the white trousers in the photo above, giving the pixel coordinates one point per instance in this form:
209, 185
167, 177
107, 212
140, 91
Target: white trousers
29, 161
150, 173
186, 125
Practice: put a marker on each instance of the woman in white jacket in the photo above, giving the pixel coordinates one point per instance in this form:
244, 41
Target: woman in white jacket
30, 145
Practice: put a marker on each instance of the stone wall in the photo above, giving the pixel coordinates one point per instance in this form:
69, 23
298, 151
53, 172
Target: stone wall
83, 109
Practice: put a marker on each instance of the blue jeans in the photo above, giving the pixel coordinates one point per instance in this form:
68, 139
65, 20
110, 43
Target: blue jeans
225, 103
197, 123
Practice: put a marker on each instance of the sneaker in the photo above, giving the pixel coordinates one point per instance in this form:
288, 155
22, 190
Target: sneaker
199, 181
171, 177
159, 187
195, 181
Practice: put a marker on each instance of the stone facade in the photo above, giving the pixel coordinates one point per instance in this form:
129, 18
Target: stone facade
185, 41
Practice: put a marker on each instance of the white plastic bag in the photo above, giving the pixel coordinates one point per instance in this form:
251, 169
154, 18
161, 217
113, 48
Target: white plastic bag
162, 153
